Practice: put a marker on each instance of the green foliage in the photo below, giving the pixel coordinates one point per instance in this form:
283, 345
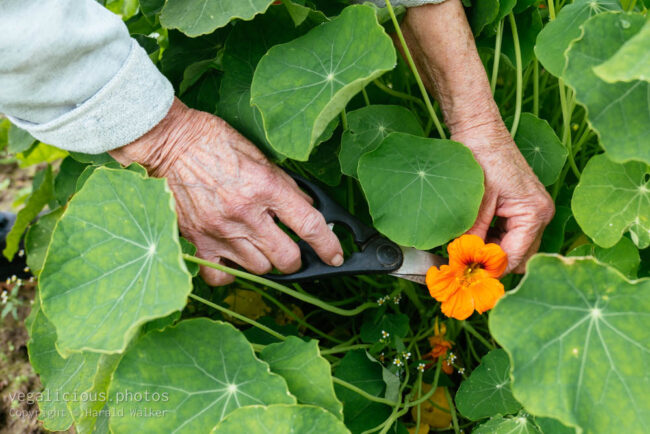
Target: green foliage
619, 112
630, 62
300, 86
308, 375
575, 330
206, 371
135, 257
488, 390
18, 140
508, 425
280, 419
623, 256
612, 199
421, 192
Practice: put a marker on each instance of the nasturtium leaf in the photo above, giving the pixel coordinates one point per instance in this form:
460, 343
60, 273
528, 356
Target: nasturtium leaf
39, 153
161, 323
280, 419
361, 414
323, 163
18, 140
92, 158
576, 332
421, 192
189, 249
74, 387
200, 17
488, 390
396, 325
246, 45
619, 112
631, 62
553, 426
200, 370
507, 425
522, 5
556, 36
115, 261
553, 237
541, 147
624, 256
38, 239
611, 199
41, 195
368, 126
299, 13
483, 13
307, 373
65, 182
300, 86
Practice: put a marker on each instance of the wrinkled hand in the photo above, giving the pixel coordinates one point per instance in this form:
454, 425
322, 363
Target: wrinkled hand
512, 192
227, 195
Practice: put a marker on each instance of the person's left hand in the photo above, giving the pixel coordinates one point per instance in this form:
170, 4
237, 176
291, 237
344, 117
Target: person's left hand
512, 193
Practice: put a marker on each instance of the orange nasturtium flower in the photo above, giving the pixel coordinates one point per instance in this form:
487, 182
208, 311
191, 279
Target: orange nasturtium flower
470, 281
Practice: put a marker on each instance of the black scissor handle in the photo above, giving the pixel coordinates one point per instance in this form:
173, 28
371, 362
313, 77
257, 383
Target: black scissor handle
378, 254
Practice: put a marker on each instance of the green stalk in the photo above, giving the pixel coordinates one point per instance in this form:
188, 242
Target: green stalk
362, 392
344, 120
434, 386
238, 316
497, 57
519, 97
365, 96
271, 284
342, 349
536, 87
398, 94
551, 9
452, 408
414, 69
467, 326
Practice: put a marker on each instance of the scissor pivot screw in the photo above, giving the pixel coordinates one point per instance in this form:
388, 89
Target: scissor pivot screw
389, 256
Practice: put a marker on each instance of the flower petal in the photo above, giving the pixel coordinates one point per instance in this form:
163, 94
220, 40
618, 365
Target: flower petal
460, 305
493, 259
485, 293
465, 250
441, 282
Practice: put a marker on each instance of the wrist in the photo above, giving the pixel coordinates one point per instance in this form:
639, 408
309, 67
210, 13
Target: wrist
153, 149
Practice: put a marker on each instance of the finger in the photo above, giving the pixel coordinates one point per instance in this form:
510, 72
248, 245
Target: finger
215, 277
521, 268
485, 216
295, 186
517, 241
310, 225
278, 247
245, 254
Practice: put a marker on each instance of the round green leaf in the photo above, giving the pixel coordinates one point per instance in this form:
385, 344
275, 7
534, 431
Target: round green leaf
308, 374
115, 261
507, 425
556, 36
200, 17
483, 13
421, 192
300, 86
624, 256
245, 46
396, 325
541, 147
619, 112
200, 370
368, 126
631, 62
38, 239
576, 332
611, 199
280, 419
488, 391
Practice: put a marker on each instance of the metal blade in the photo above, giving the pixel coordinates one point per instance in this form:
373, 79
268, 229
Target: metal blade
416, 263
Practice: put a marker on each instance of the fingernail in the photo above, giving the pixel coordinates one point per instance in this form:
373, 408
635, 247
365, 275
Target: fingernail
337, 261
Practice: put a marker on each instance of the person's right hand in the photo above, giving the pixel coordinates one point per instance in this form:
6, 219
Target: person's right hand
227, 195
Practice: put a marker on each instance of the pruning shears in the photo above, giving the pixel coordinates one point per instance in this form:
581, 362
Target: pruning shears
377, 254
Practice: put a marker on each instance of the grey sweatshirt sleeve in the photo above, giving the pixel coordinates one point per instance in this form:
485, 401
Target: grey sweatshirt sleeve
405, 3
71, 75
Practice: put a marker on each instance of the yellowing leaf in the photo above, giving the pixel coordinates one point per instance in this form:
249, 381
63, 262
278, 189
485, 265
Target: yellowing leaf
434, 415
247, 303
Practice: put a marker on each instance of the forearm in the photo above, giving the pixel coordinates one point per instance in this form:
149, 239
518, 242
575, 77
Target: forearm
444, 51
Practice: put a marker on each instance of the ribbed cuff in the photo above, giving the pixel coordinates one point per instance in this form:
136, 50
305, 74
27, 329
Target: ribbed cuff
127, 107
405, 3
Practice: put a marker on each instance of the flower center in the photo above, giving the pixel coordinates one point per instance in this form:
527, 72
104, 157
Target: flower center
471, 273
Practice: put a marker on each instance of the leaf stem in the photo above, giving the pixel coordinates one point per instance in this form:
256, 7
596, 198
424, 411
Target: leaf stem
414, 69
467, 326
398, 94
519, 97
497, 57
362, 392
365, 96
452, 408
342, 349
536, 87
271, 284
238, 316
344, 120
